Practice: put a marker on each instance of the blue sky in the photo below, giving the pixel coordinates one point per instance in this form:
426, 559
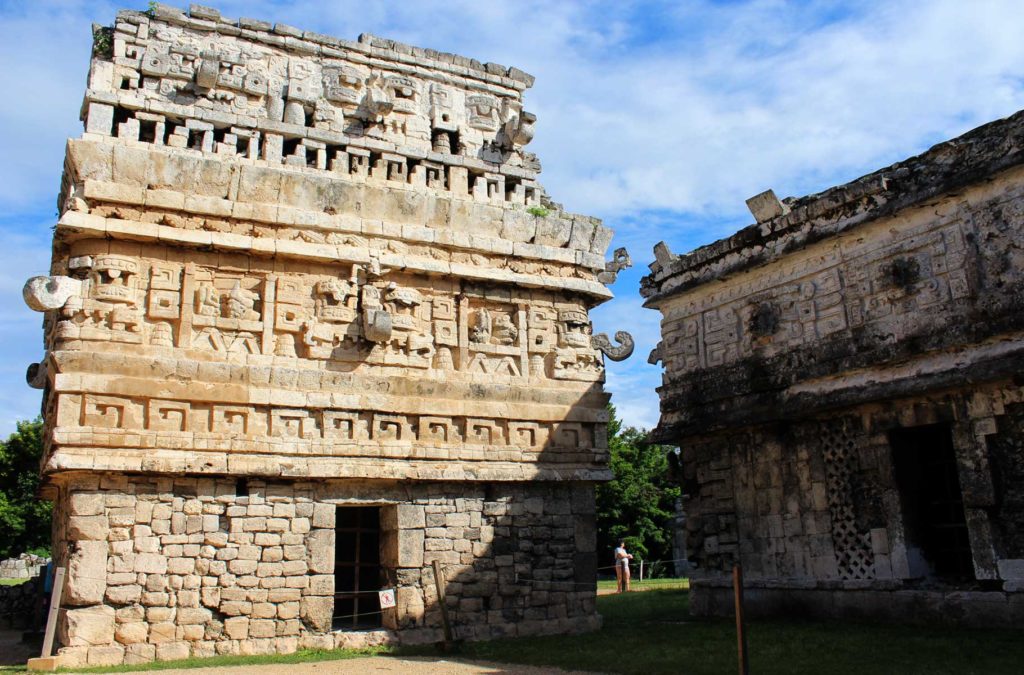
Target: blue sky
660, 117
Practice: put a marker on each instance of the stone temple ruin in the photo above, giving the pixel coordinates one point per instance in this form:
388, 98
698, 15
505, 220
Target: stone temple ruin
312, 325
843, 379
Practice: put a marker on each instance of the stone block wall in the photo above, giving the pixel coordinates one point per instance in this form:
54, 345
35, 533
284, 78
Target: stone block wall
24, 566
812, 511
1007, 456
168, 568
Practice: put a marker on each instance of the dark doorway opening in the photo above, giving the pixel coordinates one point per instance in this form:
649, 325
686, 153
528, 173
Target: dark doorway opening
933, 507
357, 570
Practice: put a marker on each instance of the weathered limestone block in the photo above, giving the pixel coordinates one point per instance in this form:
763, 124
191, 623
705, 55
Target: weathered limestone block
131, 633
88, 626
237, 628
139, 653
316, 612
86, 580
409, 606
320, 544
323, 515
106, 655
94, 528
151, 563
172, 651
85, 504
122, 595
406, 547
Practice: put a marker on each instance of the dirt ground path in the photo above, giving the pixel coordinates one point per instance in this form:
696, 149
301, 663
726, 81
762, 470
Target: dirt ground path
379, 664
13, 652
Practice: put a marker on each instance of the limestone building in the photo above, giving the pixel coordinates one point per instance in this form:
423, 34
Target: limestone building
311, 325
844, 381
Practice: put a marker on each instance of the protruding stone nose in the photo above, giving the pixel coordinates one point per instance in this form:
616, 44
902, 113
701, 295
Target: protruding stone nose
45, 293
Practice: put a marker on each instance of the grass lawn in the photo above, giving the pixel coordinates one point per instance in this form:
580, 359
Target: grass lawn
609, 584
12, 582
652, 633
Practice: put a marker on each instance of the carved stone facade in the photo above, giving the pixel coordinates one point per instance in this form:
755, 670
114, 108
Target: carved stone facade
843, 380
294, 274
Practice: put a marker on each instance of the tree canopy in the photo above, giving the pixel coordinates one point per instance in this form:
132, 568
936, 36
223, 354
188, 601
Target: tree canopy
638, 504
24, 518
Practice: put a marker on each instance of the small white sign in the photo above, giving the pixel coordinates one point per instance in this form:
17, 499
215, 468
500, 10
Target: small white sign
387, 598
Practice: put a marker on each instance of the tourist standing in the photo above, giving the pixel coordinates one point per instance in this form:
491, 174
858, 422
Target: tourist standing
622, 558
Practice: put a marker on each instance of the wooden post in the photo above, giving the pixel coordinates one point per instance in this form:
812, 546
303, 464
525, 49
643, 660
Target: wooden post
741, 636
45, 661
443, 604
51, 617
641, 570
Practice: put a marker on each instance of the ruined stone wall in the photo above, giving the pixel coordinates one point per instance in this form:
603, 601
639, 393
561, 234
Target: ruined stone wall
1006, 448
855, 287
810, 355
171, 568
815, 505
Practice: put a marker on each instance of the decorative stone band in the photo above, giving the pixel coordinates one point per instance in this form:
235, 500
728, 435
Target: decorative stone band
209, 20
319, 205
944, 168
264, 142
387, 466
201, 424
74, 225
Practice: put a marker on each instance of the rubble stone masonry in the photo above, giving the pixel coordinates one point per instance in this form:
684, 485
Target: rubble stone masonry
291, 275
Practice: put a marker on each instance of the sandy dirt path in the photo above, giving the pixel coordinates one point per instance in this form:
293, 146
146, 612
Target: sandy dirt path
379, 664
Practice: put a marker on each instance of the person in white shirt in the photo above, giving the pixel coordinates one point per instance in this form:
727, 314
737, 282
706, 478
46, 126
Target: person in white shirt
622, 559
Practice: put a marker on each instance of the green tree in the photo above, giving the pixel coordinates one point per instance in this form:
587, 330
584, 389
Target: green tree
638, 504
24, 518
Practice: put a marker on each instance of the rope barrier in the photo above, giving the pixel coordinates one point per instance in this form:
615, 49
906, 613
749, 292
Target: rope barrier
645, 562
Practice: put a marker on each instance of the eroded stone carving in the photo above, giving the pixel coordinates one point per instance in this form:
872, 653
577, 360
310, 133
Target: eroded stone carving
619, 352
46, 293
620, 261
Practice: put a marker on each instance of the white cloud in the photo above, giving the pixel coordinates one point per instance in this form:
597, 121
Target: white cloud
660, 117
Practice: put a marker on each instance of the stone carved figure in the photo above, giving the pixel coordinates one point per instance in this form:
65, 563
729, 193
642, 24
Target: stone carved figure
46, 293
518, 128
207, 300
574, 357
480, 330
620, 261
376, 319
621, 352
342, 85
505, 332
377, 102
482, 112
241, 304
332, 298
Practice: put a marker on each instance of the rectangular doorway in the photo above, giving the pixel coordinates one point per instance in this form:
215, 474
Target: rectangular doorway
933, 507
357, 571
